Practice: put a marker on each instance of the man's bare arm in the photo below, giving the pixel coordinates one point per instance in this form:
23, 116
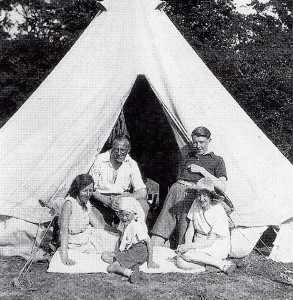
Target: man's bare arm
106, 199
219, 183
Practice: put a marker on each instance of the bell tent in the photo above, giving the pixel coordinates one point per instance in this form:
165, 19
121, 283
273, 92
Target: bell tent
59, 130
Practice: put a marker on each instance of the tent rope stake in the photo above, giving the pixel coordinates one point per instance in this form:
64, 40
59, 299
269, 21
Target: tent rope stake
286, 270
18, 281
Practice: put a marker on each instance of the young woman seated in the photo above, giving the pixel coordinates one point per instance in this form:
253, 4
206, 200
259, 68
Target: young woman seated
80, 227
207, 239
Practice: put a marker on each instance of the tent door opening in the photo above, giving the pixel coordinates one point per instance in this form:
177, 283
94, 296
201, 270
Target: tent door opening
153, 144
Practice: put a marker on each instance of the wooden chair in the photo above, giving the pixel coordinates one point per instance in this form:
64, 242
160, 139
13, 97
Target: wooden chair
153, 192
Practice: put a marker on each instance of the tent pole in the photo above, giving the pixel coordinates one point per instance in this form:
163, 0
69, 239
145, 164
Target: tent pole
21, 276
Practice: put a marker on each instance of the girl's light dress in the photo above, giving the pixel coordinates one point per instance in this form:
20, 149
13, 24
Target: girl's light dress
214, 220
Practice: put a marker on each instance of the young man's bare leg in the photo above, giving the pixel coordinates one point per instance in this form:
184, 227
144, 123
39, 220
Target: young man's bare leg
160, 241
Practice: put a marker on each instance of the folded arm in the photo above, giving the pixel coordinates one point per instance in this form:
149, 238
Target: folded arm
219, 182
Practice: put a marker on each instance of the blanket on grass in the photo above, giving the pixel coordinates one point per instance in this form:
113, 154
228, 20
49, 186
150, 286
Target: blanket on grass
92, 263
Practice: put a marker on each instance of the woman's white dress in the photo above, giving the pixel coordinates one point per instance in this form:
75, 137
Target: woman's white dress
85, 243
215, 221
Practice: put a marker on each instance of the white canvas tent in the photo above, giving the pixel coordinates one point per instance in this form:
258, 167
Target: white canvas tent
55, 135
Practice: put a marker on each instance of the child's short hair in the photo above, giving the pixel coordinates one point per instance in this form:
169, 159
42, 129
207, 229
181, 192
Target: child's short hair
201, 131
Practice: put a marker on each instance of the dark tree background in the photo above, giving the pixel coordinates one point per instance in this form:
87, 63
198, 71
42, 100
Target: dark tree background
251, 55
50, 28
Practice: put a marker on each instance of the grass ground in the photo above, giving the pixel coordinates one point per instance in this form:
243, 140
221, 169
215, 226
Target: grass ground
255, 278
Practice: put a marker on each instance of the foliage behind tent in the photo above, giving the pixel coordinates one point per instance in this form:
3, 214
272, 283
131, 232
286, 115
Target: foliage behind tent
251, 55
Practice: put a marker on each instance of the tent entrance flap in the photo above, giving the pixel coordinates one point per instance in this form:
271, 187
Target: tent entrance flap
153, 144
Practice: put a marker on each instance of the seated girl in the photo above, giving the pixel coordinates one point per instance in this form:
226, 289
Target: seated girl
207, 239
75, 222
134, 246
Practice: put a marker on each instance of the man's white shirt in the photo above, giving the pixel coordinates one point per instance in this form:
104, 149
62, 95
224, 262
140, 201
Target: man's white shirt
110, 181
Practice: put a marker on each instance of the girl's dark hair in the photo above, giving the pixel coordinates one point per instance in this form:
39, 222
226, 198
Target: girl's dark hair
79, 183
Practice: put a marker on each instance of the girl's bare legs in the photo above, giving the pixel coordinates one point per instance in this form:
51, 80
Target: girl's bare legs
185, 260
194, 256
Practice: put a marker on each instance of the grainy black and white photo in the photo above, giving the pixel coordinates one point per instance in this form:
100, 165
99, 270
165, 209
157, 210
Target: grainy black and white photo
146, 149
